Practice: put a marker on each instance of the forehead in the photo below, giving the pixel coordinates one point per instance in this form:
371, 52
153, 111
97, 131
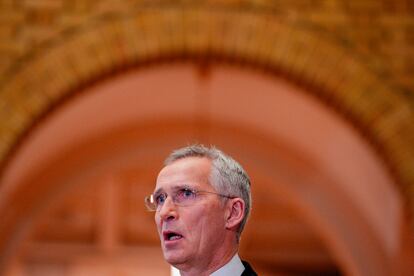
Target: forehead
192, 171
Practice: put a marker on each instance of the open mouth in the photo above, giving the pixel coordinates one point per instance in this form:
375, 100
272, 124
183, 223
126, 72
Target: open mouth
172, 236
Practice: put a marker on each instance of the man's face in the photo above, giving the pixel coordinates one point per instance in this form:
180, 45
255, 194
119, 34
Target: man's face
195, 233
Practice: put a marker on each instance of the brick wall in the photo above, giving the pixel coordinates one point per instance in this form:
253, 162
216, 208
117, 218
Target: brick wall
379, 33
360, 52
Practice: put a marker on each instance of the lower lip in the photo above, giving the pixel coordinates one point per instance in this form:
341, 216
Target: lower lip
172, 242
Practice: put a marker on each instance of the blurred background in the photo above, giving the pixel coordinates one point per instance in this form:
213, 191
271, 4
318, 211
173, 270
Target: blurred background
314, 98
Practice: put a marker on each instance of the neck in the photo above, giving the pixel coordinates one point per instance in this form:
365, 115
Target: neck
207, 267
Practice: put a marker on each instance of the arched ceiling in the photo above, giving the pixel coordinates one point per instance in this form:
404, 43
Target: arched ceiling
320, 168
125, 38
333, 62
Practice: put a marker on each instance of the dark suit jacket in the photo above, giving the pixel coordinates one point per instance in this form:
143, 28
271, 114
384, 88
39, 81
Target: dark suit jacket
248, 270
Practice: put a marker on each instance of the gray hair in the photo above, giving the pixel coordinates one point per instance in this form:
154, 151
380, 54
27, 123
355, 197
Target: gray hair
227, 175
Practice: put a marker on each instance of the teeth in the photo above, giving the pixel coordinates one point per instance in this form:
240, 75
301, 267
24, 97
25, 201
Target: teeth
174, 237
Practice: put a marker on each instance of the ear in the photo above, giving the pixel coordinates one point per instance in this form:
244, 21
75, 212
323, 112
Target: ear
234, 213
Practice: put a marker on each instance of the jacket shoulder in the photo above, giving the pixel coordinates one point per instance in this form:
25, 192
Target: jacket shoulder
248, 270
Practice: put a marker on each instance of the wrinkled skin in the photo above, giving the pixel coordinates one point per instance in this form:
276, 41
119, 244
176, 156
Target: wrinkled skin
207, 229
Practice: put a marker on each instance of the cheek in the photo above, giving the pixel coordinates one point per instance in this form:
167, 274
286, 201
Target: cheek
157, 223
194, 223
206, 223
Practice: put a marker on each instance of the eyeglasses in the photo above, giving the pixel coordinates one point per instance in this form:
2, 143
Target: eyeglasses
180, 197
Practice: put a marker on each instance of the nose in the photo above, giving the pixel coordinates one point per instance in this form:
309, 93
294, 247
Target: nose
168, 210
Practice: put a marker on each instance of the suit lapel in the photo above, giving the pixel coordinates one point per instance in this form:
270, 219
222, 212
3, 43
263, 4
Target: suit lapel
248, 270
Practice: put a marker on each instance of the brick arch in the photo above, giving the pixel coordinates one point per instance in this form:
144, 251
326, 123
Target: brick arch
104, 46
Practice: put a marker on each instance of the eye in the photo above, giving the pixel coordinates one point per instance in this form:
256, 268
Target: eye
186, 194
160, 199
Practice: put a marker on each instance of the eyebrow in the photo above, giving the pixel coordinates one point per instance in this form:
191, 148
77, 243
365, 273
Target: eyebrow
158, 191
175, 188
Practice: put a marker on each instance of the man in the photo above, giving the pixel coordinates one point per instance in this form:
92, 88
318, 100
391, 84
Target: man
202, 202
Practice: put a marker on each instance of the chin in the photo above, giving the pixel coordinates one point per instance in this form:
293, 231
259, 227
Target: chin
174, 258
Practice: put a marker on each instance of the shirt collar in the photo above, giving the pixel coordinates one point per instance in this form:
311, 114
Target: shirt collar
233, 267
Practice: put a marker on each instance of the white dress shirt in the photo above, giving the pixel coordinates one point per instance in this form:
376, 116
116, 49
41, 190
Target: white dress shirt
233, 268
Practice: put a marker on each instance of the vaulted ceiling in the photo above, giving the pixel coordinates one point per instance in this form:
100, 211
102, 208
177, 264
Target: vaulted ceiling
316, 98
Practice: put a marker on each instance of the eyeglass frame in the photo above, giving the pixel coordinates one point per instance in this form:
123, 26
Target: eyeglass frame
150, 200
